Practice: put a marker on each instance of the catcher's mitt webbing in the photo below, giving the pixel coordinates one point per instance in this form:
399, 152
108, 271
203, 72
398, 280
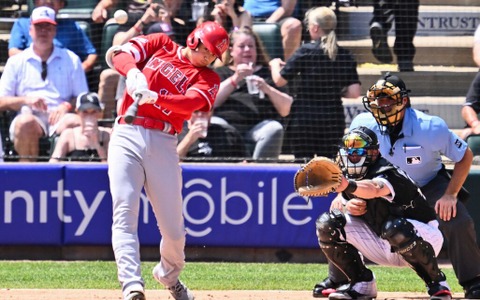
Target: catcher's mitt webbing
319, 177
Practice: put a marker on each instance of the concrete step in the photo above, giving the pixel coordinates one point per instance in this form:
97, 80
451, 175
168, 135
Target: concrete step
423, 2
426, 81
450, 2
434, 20
430, 50
448, 108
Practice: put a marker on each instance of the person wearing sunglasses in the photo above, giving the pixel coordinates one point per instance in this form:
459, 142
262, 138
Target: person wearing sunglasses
41, 84
381, 214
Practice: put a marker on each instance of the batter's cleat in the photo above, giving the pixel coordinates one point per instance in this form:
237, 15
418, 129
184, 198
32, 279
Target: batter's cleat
325, 288
363, 290
380, 49
135, 295
180, 292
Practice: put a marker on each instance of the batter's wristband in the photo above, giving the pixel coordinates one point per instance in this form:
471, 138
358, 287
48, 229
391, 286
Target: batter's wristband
351, 187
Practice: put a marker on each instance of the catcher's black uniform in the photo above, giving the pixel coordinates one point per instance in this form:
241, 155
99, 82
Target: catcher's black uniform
388, 220
408, 201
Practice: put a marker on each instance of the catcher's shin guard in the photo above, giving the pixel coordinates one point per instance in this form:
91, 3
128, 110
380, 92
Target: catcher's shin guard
342, 254
416, 251
330, 226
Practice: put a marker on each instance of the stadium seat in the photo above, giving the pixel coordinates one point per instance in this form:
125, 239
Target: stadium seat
109, 31
271, 37
473, 142
75, 9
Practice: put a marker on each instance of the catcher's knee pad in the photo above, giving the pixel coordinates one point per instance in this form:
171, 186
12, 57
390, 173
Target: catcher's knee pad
330, 226
398, 232
417, 252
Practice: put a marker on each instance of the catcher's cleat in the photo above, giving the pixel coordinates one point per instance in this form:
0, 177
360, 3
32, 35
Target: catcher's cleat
439, 292
473, 292
180, 292
380, 49
363, 290
135, 295
325, 288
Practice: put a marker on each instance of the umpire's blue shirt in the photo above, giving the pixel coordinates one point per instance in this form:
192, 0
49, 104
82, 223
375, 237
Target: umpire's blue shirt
420, 146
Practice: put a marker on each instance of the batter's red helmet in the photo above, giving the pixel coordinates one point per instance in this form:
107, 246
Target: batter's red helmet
212, 35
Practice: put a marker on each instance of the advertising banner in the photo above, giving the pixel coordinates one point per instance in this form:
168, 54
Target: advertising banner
238, 205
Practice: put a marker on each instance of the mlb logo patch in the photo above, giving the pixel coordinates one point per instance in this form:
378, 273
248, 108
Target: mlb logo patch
414, 160
458, 143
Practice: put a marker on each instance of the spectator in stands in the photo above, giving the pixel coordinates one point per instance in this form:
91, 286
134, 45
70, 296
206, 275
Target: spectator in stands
405, 14
69, 35
476, 46
256, 116
39, 83
321, 73
166, 15
149, 22
231, 15
471, 108
281, 12
206, 142
87, 142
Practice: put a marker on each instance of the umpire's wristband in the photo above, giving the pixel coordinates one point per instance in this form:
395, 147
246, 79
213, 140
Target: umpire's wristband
351, 187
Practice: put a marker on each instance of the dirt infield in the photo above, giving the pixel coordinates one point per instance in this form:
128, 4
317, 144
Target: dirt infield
32, 294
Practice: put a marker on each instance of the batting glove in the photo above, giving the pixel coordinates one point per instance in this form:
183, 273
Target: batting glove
137, 85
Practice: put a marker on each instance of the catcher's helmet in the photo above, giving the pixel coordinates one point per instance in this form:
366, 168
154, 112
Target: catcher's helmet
358, 151
391, 88
212, 35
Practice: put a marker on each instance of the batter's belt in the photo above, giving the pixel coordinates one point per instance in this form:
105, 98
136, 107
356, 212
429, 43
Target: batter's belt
149, 123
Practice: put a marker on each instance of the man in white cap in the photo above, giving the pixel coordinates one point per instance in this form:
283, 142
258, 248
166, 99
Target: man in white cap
41, 83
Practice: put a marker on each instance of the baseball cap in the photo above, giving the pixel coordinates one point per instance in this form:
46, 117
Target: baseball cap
88, 100
43, 14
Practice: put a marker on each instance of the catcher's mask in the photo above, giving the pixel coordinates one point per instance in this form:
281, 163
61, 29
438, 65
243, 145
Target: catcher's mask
359, 150
387, 100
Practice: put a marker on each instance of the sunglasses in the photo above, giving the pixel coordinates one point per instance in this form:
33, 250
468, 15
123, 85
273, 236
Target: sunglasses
44, 70
358, 151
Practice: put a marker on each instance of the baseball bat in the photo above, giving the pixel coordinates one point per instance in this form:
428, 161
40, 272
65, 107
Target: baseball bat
132, 109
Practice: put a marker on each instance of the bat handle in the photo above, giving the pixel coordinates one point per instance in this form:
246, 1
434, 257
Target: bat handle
132, 109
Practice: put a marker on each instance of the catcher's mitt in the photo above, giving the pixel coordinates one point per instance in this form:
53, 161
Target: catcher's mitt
319, 177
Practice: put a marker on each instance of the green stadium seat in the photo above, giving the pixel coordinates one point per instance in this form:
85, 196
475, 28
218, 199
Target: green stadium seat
271, 37
109, 31
473, 142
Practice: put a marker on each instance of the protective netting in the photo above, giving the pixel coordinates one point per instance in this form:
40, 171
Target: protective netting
428, 44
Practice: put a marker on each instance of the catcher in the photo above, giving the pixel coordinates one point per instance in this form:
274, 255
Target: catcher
387, 220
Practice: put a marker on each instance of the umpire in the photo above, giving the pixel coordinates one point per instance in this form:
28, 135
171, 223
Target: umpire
416, 142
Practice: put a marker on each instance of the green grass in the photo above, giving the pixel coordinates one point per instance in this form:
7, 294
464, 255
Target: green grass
198, 275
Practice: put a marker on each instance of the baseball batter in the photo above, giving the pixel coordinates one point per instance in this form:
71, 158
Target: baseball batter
389, 221
172, 82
